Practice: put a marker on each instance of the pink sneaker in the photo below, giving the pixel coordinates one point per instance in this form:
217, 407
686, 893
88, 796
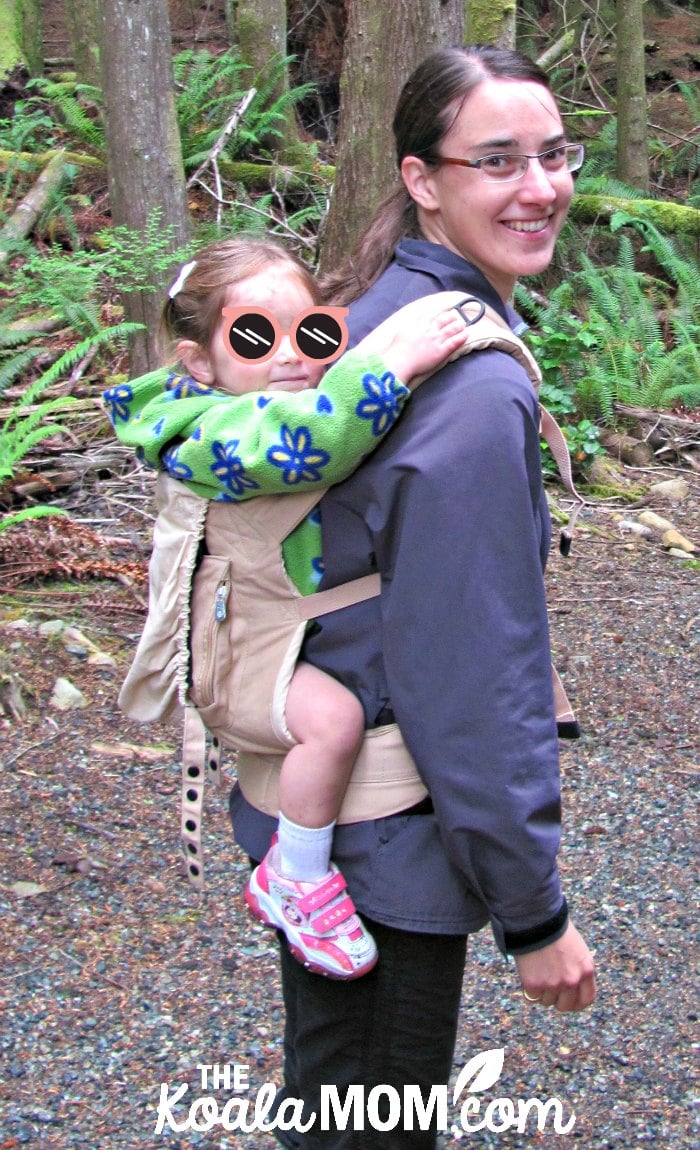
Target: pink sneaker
319, 920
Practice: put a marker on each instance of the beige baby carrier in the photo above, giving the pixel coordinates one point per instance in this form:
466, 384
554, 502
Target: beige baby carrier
224, 631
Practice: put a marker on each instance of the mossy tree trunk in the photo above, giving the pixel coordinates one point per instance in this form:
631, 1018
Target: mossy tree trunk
383, 44
146, 172
81, 21
260, 28
491, 22
632, 138
21, 37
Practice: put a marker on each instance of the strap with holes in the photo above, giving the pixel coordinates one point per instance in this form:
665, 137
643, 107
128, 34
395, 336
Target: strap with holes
201, 757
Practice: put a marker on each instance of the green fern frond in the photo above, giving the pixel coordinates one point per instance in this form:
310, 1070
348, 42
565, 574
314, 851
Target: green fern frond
15, 368
683, 273
25, 425
65, 99
119, 332
209, 89
15, 517
14, 337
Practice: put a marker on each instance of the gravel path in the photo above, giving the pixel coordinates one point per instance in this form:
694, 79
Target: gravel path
117, 978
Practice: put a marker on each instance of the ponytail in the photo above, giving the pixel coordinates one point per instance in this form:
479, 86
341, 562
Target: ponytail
394, 219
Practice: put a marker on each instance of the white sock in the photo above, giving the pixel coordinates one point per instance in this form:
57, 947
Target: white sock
304, 852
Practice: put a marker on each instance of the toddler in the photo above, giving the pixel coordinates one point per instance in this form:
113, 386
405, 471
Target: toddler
252, 410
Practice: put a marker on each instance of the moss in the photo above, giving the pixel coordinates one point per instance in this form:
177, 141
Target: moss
666, 216
484, 24
602, 491
10, 54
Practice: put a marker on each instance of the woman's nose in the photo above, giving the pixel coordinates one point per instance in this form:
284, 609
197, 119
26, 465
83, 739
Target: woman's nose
535, 181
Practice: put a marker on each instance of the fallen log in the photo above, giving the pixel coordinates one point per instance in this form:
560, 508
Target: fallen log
30, 208
648, 416
663, 214
626, 448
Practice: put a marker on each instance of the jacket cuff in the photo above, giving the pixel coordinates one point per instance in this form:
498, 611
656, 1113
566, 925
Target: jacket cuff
537, 937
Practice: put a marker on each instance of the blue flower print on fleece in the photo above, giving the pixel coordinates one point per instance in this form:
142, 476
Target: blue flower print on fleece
117, 400
228, 467
300, 461
174, 466
182, 387
383, 404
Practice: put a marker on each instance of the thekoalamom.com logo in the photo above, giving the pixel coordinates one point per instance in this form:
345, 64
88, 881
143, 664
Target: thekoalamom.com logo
380, 1108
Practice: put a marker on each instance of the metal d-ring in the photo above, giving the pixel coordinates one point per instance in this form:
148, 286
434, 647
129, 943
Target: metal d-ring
470, 299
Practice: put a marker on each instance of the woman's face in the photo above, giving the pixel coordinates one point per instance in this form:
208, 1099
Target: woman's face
507, 230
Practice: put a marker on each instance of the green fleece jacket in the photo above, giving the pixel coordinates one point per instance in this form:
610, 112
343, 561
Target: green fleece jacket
232, 448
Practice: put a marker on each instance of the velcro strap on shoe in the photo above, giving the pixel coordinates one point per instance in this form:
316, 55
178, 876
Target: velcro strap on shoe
322, 894
332, 917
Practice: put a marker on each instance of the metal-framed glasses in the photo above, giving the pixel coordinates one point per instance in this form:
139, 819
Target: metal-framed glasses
502, 167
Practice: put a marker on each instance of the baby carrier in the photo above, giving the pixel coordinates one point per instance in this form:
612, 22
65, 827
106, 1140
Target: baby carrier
225, 626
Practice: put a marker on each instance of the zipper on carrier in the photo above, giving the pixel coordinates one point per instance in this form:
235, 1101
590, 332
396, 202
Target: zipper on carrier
221, 601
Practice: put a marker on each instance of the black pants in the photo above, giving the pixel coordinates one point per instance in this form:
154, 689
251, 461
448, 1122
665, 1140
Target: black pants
395, 1026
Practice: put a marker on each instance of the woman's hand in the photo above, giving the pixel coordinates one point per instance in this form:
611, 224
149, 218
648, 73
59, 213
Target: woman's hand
559, 975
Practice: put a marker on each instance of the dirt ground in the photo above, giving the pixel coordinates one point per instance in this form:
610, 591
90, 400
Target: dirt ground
118, 977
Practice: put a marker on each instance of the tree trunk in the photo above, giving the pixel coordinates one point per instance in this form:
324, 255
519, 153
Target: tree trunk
453, 14
491, 22
366, 168
146, 172
81, 22
21, 37
261, 33
632, 140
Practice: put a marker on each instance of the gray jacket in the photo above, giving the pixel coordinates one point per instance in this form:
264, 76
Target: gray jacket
451, 511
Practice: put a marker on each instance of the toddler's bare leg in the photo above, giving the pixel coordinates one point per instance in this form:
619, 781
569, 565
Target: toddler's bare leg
296, 887
328, 723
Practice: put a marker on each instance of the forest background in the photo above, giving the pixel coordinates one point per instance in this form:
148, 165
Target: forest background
131, 132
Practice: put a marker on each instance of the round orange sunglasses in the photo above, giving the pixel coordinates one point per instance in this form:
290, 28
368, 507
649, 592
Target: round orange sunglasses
318, 334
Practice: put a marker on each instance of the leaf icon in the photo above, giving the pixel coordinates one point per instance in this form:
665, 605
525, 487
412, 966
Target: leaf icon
480, 1072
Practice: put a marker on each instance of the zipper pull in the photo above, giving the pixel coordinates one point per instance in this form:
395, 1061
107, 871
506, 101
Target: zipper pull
221, 600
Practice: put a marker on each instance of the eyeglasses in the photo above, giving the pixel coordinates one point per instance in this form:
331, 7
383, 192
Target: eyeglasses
318, 334
502, 167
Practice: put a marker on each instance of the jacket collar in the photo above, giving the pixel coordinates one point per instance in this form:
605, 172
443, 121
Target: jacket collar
453, 273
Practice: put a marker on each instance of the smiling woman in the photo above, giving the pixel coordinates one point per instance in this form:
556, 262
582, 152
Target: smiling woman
503, 210
453, 657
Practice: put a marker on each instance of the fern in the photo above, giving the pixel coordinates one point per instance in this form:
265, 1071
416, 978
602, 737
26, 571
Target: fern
620, 335
271, 103
210, 88
65, 99
40, 512
60, 283
24, 426
138, 260
16, 367
683, 273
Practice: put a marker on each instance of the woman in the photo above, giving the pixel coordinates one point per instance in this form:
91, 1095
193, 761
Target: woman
451, 511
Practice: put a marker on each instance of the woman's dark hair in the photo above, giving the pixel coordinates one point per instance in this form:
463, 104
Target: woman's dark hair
429, 103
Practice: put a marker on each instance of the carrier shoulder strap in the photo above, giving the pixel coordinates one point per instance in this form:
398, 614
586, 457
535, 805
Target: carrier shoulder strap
486, 331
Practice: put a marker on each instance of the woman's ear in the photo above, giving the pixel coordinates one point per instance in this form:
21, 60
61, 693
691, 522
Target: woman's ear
196, 361
420, 183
